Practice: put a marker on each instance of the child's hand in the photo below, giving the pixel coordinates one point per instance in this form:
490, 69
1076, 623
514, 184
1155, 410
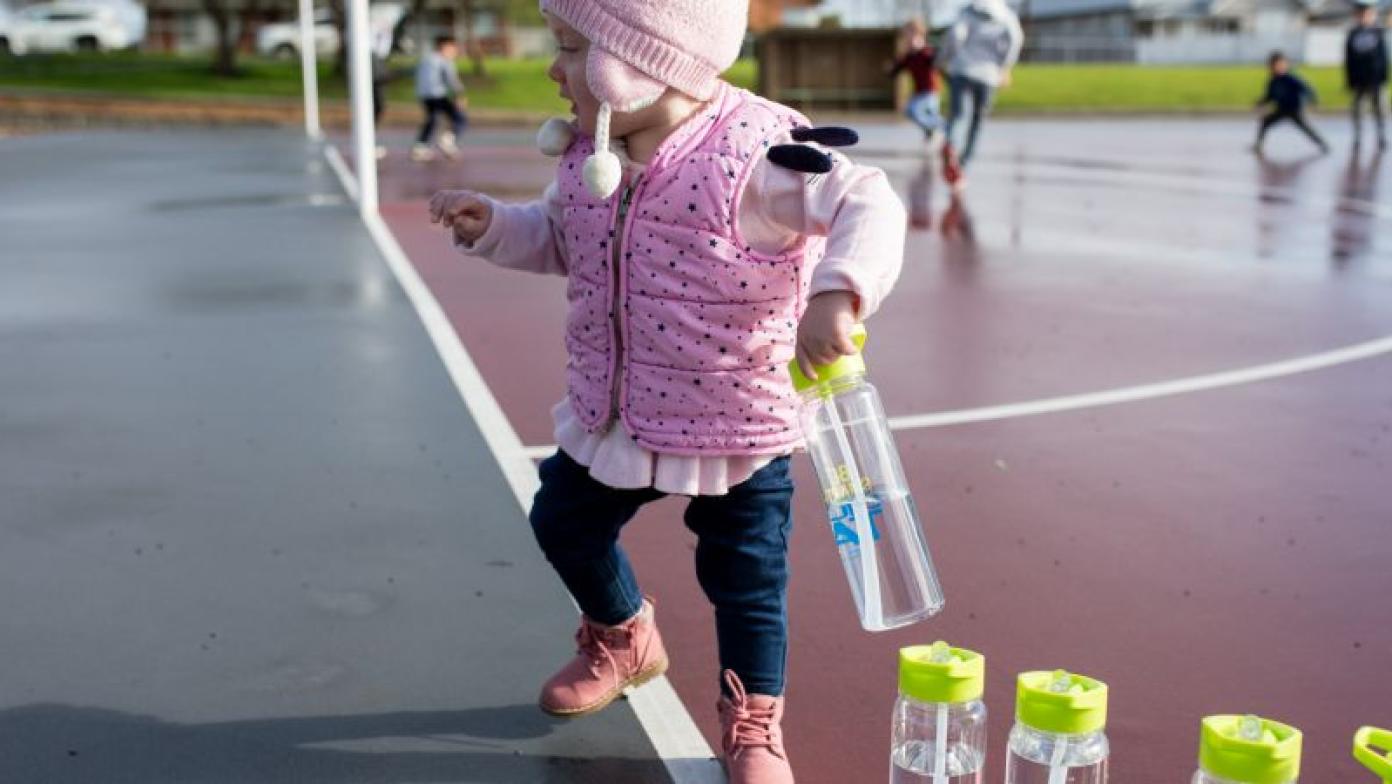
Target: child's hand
463, 211
824, 335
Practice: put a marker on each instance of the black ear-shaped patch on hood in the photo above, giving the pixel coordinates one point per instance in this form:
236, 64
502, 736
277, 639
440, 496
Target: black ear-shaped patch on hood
800, 158
831, 135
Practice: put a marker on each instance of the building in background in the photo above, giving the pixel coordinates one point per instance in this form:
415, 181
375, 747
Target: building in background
1139, 31
865, 13
765, 15
1184, 31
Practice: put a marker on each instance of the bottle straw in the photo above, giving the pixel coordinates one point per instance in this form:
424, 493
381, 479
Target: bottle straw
1058, 773
940, 747
872, 614
941, 654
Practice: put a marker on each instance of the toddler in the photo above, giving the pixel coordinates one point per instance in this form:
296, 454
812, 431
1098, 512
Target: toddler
697, 269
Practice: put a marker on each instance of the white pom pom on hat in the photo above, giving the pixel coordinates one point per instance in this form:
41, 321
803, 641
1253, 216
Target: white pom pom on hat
603, 171
619, 87
555, 136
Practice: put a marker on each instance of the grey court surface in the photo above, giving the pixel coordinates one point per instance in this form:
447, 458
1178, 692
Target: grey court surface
248, 532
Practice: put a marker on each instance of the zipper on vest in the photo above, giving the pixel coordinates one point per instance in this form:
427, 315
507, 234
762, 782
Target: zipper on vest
616, 319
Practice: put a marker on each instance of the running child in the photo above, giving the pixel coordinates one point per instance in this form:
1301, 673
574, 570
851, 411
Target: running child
438, 88
924, 107
1287, 94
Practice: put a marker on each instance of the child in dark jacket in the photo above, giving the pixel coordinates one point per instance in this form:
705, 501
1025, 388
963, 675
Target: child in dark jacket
1287, 94
1365, 71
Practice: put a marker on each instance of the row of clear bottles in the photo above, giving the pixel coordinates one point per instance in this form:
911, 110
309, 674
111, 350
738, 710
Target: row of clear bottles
939, 730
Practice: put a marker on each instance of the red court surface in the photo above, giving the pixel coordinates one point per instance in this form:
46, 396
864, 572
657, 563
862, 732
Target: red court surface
1225, 550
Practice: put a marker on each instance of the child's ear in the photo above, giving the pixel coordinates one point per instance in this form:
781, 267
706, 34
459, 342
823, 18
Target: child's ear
623, 87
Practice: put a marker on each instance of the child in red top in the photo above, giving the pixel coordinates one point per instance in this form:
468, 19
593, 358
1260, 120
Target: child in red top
921, 63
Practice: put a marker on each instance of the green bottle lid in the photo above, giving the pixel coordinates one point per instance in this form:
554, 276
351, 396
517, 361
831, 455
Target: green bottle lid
1249, 749
1379, 762
941, 673
849, 365
1060, 702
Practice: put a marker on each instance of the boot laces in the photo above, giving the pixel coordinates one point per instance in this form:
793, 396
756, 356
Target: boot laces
747, 726
595, 644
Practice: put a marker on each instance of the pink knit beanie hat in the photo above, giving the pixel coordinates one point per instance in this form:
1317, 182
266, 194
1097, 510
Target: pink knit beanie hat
639, 48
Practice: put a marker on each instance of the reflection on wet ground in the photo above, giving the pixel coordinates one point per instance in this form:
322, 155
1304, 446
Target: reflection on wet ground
1156, 191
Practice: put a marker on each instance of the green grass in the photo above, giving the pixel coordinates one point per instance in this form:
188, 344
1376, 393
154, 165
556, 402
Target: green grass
522, 84
1122, 88
151, 75
507, 84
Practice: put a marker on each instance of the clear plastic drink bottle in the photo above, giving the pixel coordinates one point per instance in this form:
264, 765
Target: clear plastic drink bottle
939, 730
1247, 750
1373, 747
1058, 735
872, 516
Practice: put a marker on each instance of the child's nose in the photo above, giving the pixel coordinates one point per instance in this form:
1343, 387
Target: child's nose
554, 73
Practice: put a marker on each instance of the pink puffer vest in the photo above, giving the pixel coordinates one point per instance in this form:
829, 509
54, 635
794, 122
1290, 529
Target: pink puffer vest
688, 339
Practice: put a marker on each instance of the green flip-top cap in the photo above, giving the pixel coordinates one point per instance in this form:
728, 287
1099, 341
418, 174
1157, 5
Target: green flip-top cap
849, 365
1060, 702
1372, 746
1249, 749
941, 673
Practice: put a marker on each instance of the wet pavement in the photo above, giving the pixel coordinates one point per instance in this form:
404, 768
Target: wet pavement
248, 532
1220, 551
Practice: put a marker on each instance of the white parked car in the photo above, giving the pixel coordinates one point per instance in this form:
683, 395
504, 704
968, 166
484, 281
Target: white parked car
72, 26
282, 39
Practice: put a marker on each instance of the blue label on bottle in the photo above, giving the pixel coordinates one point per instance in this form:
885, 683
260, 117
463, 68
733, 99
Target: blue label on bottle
843, 522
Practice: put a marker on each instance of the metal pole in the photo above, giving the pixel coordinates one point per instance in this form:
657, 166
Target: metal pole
360, 84
309, 67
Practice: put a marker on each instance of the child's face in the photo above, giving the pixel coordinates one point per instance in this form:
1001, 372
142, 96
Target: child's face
449, 51
1280, 66
1367, 16
568, 71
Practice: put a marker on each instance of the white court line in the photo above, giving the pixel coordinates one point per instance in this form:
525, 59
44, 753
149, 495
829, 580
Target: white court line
539, 452
1178, 386
340, 168
670, 728
1111, 397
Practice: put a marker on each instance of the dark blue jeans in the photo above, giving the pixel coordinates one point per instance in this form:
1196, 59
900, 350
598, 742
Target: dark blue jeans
980, 95
741, 558
445, 106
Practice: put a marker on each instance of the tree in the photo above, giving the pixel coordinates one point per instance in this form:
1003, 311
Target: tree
339, 15
471, 45
230, 24
224, 23
522, 12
